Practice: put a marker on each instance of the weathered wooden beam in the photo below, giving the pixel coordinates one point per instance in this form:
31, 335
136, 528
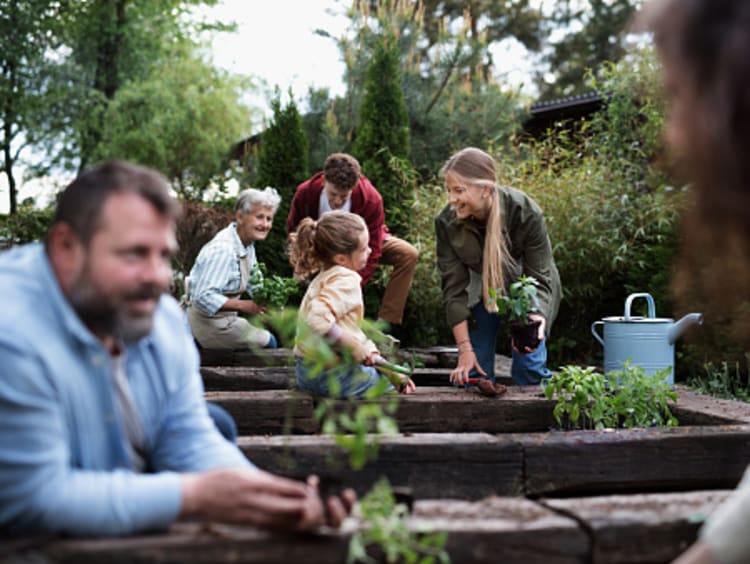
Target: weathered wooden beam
640, 528
246, 378
474, 465
707, 410
462, 466
605, 530
437, 409
634, 460
253, 378
501, 529
425, 357
259, 358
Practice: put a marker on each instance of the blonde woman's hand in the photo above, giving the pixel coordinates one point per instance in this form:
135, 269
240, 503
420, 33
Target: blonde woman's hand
540, 333
467, 361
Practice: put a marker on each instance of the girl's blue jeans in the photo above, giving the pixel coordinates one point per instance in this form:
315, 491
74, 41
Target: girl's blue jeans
353, 380
527, 369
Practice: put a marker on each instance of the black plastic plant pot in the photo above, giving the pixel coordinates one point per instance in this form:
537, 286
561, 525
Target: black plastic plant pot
525, 335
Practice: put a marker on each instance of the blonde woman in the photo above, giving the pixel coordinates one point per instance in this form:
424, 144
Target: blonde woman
488, 236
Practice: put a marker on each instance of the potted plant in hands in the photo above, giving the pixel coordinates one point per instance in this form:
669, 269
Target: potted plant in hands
516, 305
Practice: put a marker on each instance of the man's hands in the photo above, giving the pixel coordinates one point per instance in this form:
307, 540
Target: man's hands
254, 497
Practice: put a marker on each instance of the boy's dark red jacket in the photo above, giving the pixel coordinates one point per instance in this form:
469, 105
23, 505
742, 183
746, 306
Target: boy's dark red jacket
366, 202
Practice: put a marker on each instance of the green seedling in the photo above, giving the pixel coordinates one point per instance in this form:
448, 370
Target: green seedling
520, 300
386, 528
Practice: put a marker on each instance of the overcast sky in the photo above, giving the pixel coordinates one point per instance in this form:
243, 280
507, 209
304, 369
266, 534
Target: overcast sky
276, 42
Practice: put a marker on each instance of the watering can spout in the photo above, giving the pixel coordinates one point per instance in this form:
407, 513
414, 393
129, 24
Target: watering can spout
679, 328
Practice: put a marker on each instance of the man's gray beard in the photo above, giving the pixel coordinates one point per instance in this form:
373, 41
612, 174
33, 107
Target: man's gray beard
103, 318
130, 329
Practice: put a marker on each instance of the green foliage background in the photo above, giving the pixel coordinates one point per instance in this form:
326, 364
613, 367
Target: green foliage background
282, 165
383, 131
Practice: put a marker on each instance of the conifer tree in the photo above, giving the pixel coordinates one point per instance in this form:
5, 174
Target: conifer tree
382, 138
283, 165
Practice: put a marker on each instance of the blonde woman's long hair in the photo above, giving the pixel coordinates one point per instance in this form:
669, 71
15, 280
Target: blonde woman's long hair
474, 167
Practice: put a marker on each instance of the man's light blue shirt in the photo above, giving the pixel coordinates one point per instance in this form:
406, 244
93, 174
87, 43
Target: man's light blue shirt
216, 272
64, 466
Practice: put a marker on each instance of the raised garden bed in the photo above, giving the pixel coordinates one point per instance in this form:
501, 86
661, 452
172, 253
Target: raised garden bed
511, 488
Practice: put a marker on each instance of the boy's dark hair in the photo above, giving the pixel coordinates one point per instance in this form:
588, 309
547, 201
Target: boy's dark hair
342, 171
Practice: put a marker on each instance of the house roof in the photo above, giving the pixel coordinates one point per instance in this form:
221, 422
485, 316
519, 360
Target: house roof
545, 113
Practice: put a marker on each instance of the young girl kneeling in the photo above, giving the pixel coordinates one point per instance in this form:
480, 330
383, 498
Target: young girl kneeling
336, 246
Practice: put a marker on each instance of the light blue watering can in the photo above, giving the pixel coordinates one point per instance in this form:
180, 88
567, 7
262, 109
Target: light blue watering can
647, 341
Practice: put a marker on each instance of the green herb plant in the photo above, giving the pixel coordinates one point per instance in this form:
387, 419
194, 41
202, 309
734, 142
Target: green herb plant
520, 300
387, 529
625, 398
272, 291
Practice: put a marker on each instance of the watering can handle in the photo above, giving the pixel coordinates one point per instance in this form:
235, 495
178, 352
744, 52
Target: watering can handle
649, 299
595, 333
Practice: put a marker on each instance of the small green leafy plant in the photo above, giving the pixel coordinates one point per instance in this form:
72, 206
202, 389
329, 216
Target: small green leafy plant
388, 530
625, 398
520, 300
272, 291
579, 392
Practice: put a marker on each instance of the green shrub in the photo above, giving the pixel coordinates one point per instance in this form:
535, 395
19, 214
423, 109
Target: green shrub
612, 216
27, 225
722, 381
386, 527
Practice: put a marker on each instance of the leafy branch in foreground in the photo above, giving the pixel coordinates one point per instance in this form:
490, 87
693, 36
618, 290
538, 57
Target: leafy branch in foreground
356, 426
388, 530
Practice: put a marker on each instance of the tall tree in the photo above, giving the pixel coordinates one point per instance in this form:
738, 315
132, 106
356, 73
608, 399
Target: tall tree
596, 33
446, 79
27, 30
383, 130
282, 164
182, 120
114, 42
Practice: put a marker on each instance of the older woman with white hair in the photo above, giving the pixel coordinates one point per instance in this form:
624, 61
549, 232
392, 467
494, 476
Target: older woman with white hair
220, 277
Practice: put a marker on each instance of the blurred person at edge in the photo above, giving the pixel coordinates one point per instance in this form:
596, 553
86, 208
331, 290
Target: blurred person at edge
704, 47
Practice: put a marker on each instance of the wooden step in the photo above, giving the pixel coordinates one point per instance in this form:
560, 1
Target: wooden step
425, 357
475, 465
430, 409
651, 528
445, 410
253, 378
